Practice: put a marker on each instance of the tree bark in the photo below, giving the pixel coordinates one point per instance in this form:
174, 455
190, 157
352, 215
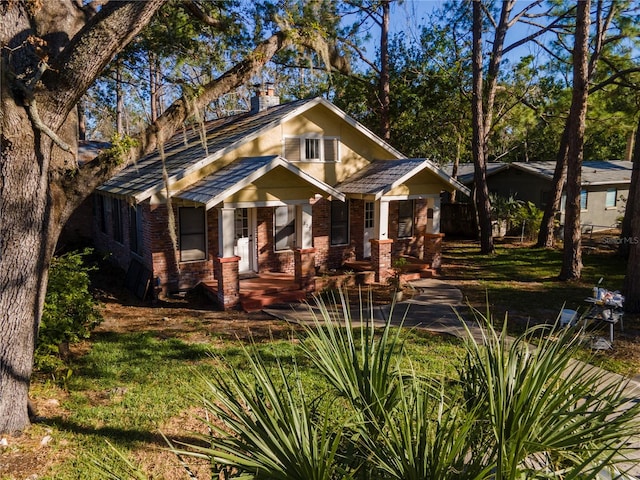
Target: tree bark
483, 206
385, 101
572, 249
546, 237
630, 235
631, 211
41, 182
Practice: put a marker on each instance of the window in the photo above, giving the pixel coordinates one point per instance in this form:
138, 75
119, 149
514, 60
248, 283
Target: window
192, 234
369, 209
583, 199
339, 222
101, 213
284, 226
610, 200
313, 148
116, 218
135, 229
405, 218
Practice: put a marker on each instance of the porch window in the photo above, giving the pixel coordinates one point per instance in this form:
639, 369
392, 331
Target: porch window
192, 234
116, 219
284, 222
339, 222
135, 229
610, 200
405, 218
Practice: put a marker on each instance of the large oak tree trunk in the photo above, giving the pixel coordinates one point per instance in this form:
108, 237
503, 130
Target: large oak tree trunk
27, 233
572, 250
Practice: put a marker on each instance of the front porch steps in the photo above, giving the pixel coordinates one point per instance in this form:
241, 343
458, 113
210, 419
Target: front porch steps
262, 290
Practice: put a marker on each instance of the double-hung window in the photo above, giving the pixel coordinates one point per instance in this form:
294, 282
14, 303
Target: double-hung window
610, 199
116, 219
192, 234
284, 223
135, 229
339, 222
584, 196
405, 218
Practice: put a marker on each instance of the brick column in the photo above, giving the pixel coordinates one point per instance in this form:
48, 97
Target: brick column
381, 259
228, 277
433, 249
305, 268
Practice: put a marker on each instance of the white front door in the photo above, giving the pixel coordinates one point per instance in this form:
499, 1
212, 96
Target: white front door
244, 243
369, 212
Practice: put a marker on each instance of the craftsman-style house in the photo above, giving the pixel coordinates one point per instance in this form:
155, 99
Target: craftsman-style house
296, 188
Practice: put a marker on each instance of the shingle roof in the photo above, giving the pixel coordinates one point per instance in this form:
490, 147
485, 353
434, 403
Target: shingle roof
381, 176
599, 172
185, 152
214, 188
594, 172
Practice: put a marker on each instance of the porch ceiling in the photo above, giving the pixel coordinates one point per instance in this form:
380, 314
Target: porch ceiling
216, 187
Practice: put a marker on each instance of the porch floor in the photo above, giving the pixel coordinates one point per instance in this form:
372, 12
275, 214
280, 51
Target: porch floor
270, 288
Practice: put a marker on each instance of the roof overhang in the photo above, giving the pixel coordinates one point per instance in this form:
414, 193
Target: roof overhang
213, 189
382, 176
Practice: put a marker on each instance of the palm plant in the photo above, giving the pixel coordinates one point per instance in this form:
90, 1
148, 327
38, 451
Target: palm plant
547, 414
520, 408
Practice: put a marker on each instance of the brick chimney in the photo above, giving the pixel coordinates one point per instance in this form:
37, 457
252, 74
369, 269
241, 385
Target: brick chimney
264, 98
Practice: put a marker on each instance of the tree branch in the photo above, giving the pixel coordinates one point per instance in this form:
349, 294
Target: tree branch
94, 173
613, 78
539, 33
194, 8
89, 52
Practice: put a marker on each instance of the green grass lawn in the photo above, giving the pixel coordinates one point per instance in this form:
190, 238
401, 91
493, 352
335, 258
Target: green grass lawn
520, 283
127, 388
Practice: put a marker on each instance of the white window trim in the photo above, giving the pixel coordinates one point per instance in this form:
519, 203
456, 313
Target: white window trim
303, 151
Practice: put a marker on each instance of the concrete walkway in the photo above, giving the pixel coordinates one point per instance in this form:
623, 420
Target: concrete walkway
437, 306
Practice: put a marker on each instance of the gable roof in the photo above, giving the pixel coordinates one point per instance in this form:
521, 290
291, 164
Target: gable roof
382, 176
185, 153
594, 172
214, 188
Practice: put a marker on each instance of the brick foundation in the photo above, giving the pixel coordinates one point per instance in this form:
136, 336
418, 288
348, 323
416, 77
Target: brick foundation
305, 268
228, 282
381, 259
433, 249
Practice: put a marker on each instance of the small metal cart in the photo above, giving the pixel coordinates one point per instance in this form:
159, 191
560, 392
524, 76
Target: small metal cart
607, 312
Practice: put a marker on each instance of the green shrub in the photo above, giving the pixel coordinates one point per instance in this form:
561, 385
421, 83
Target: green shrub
70, 311
528, 219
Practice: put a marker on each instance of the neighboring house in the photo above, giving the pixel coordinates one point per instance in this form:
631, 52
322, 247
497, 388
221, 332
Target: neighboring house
605, 187
296, 188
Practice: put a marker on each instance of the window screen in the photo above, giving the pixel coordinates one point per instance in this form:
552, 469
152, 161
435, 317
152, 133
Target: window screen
405, 218
192, 234
339, 222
